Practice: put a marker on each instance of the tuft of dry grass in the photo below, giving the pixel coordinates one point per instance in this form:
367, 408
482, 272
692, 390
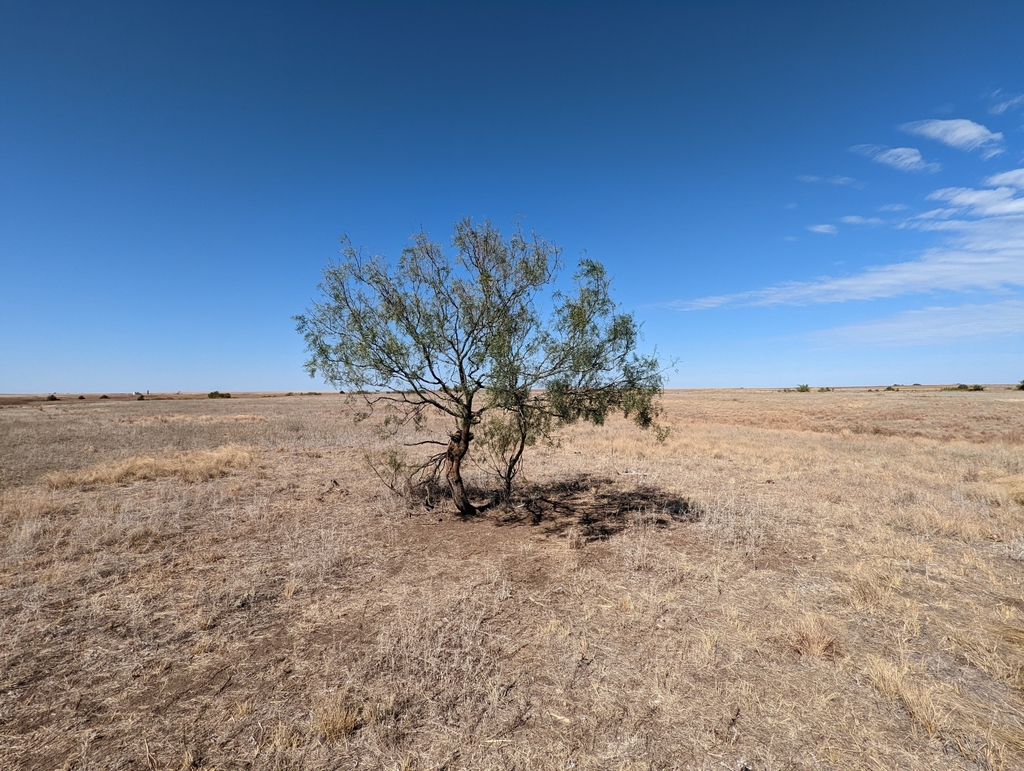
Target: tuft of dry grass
812, 639
335, 719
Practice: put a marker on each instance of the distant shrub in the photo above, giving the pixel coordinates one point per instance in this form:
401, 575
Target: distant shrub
891, 388
52, 398
80, 396
963, 387
803, 388
218, 395
1019, 387
824, 390
310, 393
142, 398
104, 396
977, 388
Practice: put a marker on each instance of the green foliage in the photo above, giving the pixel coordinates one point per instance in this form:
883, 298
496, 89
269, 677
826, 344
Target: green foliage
218, 395
824, 390
465, 334
963, 387
1020, 386
891, 388
803, 388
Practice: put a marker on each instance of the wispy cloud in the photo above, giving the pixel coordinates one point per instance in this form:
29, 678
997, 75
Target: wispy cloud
902, 158
984, 249
1013, 178
856, 219
959, 133
829, 230
1000, 202
834, 180
893, 207
1005, 102
933, 326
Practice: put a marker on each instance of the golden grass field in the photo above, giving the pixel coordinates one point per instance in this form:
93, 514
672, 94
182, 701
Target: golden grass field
790, 581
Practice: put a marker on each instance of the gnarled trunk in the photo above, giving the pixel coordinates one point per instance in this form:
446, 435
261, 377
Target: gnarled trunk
458, 446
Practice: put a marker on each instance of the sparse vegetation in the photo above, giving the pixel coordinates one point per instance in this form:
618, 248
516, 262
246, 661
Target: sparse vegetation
104, 396
783, 583
1020, 386
52, 398
824, 390
803, 388
964, 387
218, 395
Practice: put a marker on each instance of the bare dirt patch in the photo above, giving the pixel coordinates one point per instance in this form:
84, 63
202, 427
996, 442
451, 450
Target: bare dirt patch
220, 584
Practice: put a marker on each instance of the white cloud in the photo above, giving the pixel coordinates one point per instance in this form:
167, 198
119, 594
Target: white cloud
959, 133
834, 180
933, 326
902, 158
893, 207
829, 230
855, 219
980, 203
1000, 107
1013, 178
983, 249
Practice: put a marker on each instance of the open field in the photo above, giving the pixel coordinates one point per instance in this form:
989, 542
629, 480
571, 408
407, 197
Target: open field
790, 581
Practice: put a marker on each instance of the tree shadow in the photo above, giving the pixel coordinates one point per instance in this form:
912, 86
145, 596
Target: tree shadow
595, 506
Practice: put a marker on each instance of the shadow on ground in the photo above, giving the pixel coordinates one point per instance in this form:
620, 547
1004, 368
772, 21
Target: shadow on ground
595, 506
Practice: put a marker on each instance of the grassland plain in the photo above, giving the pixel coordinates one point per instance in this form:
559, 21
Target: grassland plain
790, 581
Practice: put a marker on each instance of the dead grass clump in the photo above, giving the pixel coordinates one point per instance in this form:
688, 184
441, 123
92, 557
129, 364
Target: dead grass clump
335, 718
194, 466
996, 650
895, 683
812, 639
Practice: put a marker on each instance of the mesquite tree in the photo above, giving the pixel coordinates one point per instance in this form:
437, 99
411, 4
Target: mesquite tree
465, 334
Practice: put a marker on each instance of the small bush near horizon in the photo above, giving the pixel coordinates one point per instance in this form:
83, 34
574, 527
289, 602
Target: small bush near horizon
1019, 387
964, 387
824, 390
891, 388
104, 396
52, 398
218, 395
803, 388
142, 398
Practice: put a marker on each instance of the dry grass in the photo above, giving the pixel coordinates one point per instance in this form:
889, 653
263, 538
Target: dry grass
194, 466
791, 581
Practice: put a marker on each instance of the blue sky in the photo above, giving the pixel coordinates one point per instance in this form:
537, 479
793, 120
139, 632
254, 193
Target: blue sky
785, 192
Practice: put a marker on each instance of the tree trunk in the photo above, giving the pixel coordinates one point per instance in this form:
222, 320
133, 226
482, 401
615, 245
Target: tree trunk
458, 446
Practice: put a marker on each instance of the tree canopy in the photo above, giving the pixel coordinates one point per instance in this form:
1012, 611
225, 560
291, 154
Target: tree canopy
480, 335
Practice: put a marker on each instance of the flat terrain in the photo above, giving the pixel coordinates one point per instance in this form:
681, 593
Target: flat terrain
790, 581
